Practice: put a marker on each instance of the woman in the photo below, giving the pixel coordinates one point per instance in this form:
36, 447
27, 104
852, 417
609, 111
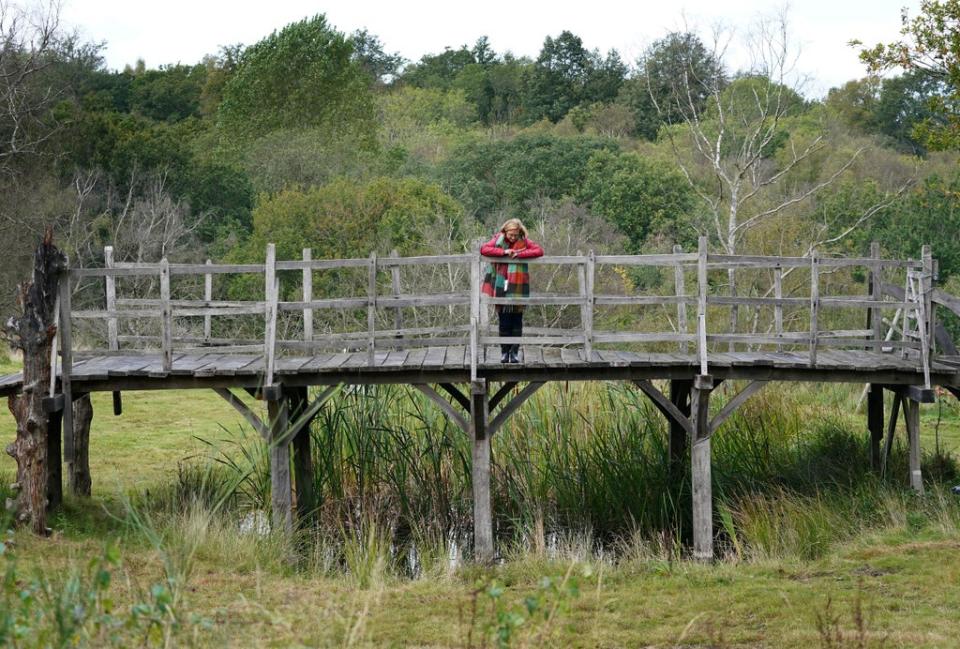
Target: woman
509, 280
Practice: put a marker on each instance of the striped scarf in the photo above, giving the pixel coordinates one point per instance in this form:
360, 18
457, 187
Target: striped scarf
511, 279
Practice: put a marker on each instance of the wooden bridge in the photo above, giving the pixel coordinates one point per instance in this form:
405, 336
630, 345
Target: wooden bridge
335, 322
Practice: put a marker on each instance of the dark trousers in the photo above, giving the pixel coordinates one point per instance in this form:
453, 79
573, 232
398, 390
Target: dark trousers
511, 324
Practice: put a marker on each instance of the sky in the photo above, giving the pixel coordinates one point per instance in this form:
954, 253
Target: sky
183, 31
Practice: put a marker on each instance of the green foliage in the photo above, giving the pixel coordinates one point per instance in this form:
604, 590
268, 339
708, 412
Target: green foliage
566, 74
929, 214
930, 48
641, 197
348, 218
675, 78
505, 175
301, 76
169, 93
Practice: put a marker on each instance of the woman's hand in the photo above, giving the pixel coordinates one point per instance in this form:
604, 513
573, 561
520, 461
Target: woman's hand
511, 253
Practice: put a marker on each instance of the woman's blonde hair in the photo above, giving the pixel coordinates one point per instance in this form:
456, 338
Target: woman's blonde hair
514, 223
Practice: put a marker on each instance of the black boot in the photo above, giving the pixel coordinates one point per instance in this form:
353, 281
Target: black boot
505, 357
514, 354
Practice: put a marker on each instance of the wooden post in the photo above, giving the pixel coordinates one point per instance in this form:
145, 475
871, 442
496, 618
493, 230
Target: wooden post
778, 307
307, 297
680, 397
475, 310
65, 333
166, 316
372, 308
681, 293
54, 457
79, 478
271, 296
208, 298
702, 289
110, 283
590, 273
281, 488
875, 422
876, 295
814, 304
926, 287
700, 469
395, 286
303, 476
911, 415
482, 511
111, 291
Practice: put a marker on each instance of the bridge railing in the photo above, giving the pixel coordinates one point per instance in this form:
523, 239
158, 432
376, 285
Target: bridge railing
705, 302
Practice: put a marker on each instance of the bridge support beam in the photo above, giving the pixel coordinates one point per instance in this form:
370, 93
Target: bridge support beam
482, 508
53, 407
911, 416
875, 423
281, 487
303, 476
679, 397
700, 468
78, 471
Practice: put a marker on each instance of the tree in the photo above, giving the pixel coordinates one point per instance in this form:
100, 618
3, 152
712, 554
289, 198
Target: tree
303, 76
745, 150
369, 53
28, 44
930, 47
675, 72
640, 196
438, 70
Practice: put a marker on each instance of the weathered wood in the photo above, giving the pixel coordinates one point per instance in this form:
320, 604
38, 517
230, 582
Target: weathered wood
731, 406
307, 281
541, 299
680, 398
271, 286
281, 486
32, 332
445, 405
482, 511
65, 335
208, 298
778, 305
457, 395
911, 416
875, 422
303, 475
371, 308
499, 395
891, 430
647, 260
926, 288
512, 406
324, 264
814, 304
666, 406
111, 299
79, 478
681, 297
395, 286
252, 418
166, 316
700, 469
702, 288
54, 458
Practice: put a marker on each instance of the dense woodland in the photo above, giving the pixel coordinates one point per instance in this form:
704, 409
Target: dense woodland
316, 138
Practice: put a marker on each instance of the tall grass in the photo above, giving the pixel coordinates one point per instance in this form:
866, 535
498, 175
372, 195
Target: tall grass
581, 468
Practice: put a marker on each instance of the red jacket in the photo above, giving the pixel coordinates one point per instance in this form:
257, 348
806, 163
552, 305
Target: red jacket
527, 248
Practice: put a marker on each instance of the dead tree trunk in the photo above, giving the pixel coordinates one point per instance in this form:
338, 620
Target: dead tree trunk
32, 332
79, 469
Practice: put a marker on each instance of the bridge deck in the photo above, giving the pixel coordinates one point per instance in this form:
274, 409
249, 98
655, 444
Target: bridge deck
436, 364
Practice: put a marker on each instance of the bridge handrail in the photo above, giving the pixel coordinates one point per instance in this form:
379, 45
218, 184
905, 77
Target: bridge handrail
920, 299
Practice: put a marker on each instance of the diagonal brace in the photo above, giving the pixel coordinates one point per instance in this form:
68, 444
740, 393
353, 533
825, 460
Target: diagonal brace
252, 418
664, 405
733, 404
447, 407
305, 417
512, 406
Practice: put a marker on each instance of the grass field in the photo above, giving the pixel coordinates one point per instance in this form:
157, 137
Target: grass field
197, 581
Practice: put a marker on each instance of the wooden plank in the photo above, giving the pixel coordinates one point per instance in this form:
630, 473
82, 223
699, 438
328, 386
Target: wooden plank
166, 316
552, 357
395, 359
415, 359
233, 364
271, 287
208, 297
187, 364
321, 362
648, 260
680, 291
291, 364
573, 357
435, 357
778, 307
533, 356
307, 283
371, 308
111, 299
702, 288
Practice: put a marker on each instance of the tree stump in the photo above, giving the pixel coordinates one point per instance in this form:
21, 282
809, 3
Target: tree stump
32, 332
